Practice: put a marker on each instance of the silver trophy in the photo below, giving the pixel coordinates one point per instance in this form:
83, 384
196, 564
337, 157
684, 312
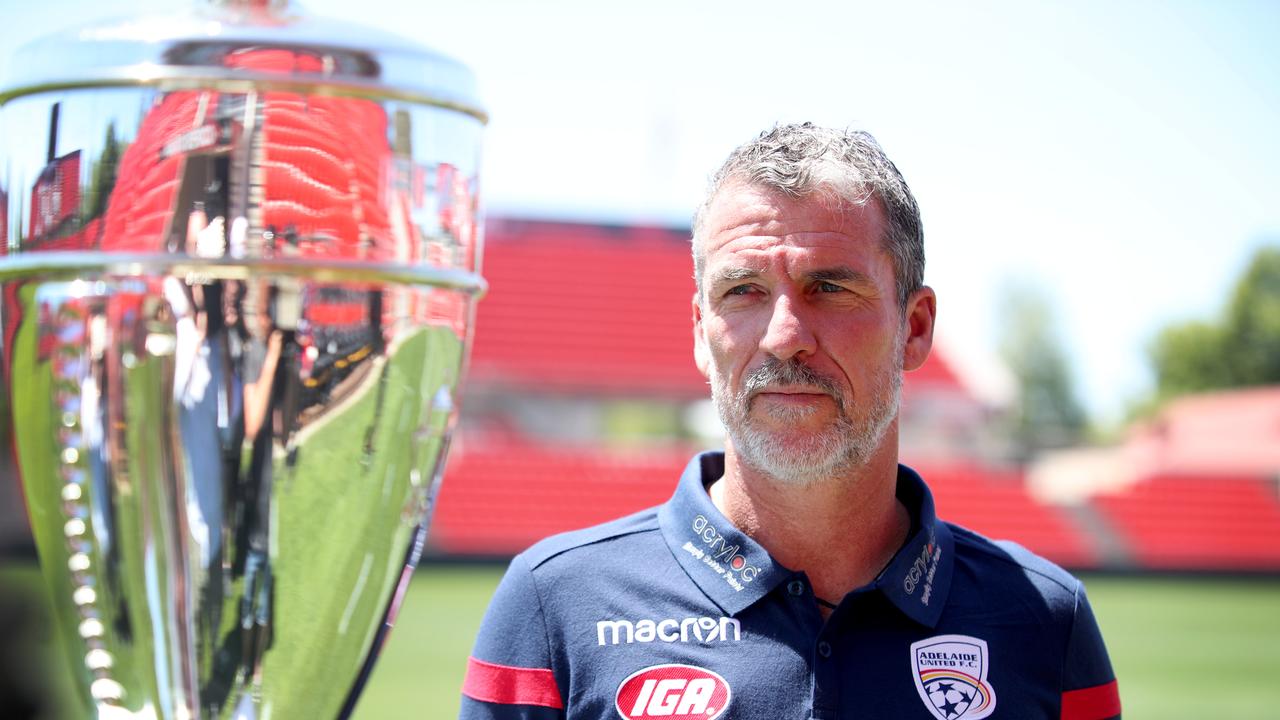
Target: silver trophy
241, 253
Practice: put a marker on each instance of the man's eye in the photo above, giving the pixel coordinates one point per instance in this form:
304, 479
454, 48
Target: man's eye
739, 290
826, 287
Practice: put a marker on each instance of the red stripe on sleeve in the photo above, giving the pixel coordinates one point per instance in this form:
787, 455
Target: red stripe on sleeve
1092, 703
490, 682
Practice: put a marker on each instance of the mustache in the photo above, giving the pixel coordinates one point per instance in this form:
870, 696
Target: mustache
774, 373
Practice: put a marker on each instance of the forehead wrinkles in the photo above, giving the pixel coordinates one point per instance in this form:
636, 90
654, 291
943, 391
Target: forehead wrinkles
753, 219
756, 252
762, 243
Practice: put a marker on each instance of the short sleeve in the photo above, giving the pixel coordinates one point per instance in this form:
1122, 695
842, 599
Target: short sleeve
510, 674
1089, 688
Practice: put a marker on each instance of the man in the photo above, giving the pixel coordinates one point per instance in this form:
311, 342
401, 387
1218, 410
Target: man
802, 573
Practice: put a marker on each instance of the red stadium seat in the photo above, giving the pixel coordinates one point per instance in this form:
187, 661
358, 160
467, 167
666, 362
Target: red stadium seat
1199, 522
501, 496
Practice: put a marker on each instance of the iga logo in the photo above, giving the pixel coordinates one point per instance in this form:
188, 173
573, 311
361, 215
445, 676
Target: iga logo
951, 676
672, 692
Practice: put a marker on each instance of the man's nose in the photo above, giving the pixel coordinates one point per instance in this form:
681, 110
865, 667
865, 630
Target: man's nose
788, 333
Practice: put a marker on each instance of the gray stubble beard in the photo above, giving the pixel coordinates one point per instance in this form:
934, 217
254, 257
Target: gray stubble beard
841, 446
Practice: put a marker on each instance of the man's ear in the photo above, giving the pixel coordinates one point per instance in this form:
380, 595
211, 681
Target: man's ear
701, 353
921, 312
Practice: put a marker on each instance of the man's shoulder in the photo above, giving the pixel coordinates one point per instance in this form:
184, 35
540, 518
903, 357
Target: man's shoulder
1004, 565
604, 538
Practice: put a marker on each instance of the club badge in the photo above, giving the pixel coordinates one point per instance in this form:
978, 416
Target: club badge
951, 675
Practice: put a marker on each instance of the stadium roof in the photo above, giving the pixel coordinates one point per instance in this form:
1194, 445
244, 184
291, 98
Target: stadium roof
1233, 431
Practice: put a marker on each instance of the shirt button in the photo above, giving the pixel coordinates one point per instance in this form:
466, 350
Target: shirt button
824, 649
795, 587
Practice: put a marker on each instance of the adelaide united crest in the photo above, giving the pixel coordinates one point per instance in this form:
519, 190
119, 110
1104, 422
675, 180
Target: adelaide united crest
951, 674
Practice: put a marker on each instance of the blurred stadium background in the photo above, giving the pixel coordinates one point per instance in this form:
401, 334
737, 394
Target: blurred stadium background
582, 402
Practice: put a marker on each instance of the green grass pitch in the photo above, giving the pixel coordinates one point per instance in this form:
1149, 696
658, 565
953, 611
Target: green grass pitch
1183, 647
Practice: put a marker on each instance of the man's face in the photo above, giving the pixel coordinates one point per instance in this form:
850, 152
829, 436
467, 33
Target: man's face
799, 330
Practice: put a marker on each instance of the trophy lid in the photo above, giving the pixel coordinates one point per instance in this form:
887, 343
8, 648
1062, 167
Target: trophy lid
240, 45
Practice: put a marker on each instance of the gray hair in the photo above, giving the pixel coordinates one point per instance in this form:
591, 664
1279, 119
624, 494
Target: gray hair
801, 160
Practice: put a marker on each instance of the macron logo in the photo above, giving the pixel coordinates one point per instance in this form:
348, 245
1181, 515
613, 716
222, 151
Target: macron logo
703, 630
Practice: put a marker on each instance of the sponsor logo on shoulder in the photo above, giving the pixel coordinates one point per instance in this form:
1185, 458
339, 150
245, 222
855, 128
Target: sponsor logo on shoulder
951, 675
673, 692
693, 629
716, 552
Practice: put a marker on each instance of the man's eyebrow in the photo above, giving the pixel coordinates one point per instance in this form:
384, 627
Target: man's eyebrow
728, 275
842, 273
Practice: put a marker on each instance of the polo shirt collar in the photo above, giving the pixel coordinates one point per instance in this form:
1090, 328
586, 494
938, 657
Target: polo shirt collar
734, 571
731, 569
918, 578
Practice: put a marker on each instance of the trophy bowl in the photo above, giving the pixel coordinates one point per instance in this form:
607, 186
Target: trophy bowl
241, 254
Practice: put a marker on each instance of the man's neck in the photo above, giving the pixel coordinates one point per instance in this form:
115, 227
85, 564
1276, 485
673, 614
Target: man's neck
841, 531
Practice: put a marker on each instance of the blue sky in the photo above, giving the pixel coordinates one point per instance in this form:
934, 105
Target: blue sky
1121, 157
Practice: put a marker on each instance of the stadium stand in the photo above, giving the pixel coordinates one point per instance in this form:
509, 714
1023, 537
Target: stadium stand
581, 314
143, 202
503, 495
1200, 522
994, 501
593, 313
586, 309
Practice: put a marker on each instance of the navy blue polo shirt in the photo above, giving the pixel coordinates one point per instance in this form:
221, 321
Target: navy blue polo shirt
673, 613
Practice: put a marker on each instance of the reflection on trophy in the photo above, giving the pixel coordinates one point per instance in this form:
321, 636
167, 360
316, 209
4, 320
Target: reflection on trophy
241, 254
